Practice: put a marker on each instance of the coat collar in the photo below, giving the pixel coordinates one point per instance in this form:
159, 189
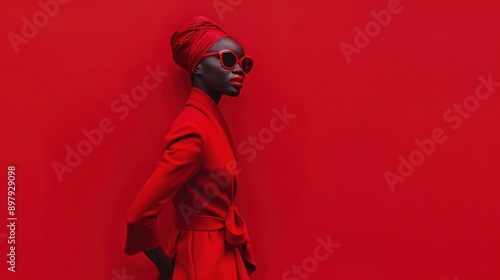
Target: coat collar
203, 102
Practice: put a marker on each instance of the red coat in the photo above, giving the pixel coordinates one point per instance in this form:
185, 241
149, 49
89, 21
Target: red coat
198, 173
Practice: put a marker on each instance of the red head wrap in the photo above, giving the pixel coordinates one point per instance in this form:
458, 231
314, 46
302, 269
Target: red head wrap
192, 40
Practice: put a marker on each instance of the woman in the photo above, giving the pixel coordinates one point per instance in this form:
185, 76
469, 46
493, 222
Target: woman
198, 170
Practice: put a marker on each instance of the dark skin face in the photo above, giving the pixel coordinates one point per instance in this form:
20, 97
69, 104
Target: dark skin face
212, 78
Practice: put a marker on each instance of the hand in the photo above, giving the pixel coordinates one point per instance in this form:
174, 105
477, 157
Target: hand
163, 263
158, 276
167, 274
164, 277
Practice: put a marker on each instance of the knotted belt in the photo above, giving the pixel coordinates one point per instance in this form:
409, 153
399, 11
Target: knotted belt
236, 233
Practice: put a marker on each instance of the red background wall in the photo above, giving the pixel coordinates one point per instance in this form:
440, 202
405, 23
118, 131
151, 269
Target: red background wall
321, 177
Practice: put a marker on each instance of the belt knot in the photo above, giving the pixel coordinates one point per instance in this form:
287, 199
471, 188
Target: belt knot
236, 231
236, 228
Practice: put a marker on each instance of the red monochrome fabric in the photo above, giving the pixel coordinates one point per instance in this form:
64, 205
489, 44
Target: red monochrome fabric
198, 174
192, 39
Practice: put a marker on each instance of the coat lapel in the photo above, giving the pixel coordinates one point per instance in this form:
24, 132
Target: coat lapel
203, 102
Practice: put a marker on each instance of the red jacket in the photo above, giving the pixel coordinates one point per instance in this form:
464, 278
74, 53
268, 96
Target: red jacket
198, 173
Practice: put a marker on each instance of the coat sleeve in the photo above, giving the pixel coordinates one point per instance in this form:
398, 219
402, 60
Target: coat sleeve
181, 159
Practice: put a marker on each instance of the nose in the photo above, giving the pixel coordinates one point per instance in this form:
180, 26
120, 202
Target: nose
238, 69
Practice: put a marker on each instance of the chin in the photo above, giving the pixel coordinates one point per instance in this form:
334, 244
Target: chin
233, 93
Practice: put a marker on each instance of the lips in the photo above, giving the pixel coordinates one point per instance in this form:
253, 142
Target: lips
237, 81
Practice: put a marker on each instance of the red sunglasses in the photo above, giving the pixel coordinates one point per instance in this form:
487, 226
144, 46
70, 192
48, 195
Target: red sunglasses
229, 59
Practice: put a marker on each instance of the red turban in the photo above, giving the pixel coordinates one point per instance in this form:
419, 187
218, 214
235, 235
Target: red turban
192, 39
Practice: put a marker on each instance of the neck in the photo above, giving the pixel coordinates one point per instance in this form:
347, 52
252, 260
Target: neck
215, 96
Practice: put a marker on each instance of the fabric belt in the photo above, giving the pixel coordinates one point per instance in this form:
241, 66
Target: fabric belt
236, 233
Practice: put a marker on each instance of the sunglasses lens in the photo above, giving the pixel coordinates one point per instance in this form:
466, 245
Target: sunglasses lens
247, 64
229, 59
